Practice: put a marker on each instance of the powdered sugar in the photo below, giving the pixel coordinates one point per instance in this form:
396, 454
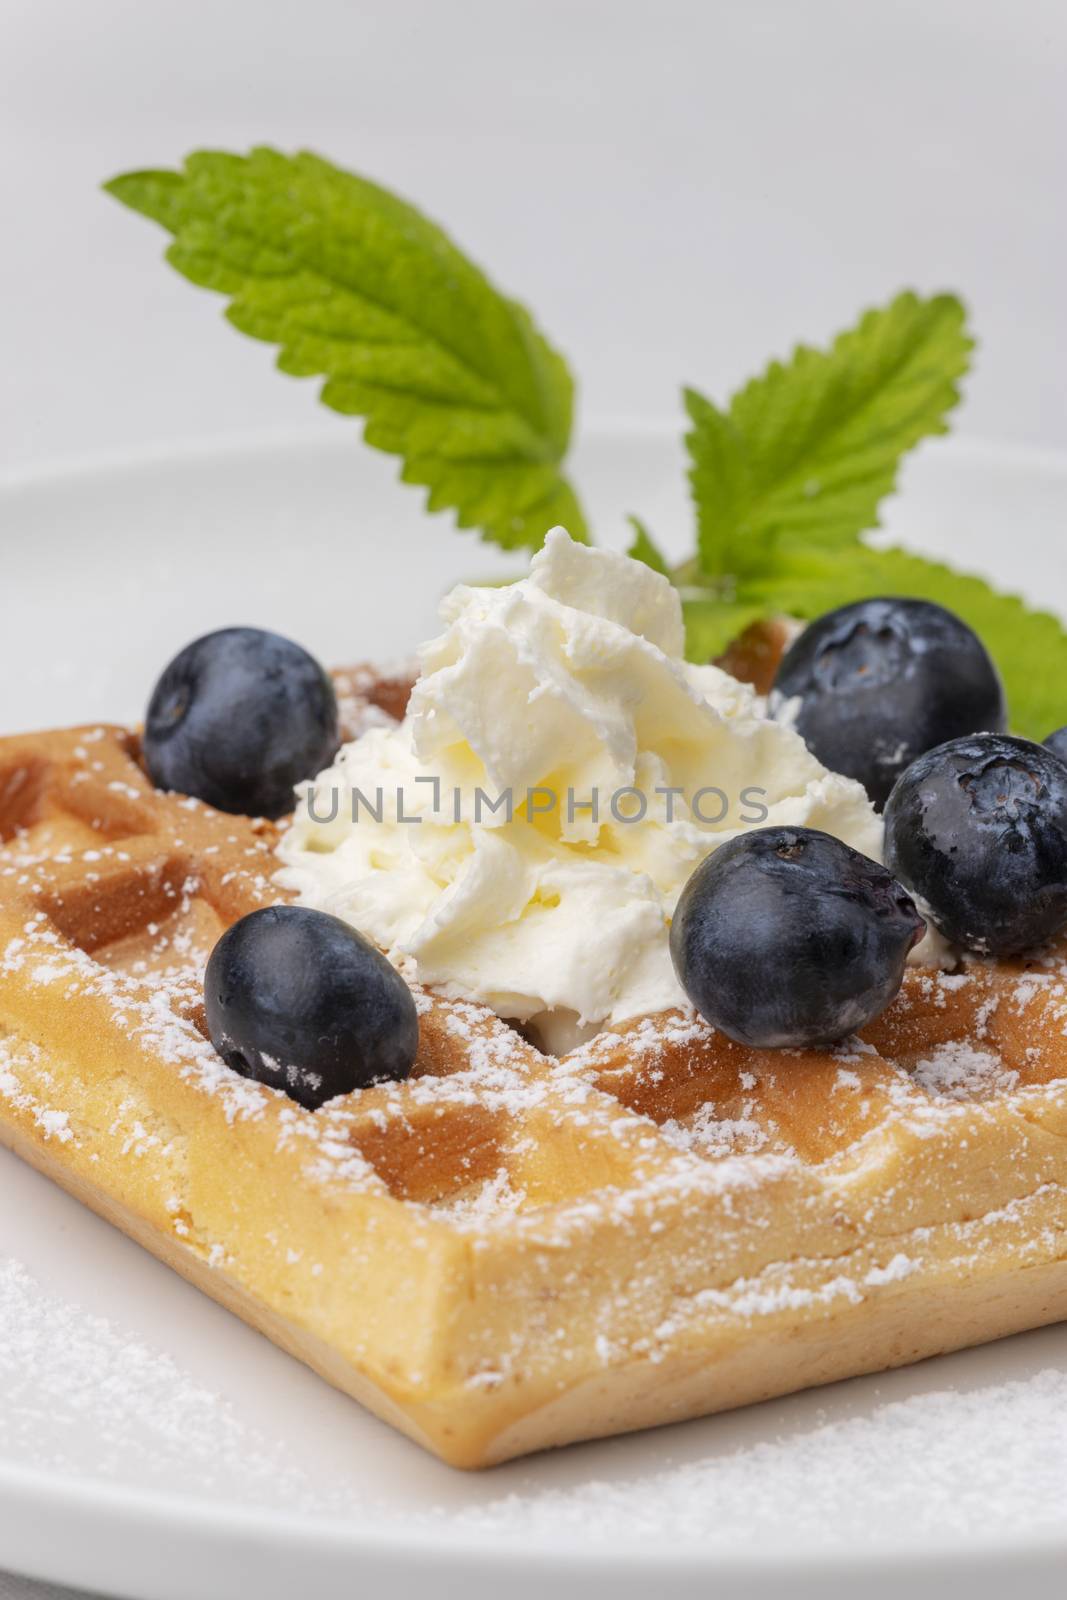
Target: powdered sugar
356, 686
944, 1464
954, 1450
706, 1133
959, 1071
901, 1266
52, 1121
148, 1008
64, 1373
491, 1198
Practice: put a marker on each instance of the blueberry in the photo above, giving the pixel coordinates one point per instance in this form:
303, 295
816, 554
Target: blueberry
301, 1001
978, 830
1057, 743
881, 681
787, 938
237, 719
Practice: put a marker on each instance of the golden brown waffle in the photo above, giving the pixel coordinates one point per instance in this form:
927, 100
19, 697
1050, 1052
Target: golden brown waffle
754, 656
510, 1251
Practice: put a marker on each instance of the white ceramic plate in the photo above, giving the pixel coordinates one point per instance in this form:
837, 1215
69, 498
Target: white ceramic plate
151, 1445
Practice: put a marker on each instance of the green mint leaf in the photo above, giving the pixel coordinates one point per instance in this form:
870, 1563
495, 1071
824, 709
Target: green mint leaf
721, 482
813, 445
643, 548
359, 289
712, 623
1029, 647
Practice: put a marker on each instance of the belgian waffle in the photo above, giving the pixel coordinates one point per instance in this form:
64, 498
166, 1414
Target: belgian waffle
511, 1251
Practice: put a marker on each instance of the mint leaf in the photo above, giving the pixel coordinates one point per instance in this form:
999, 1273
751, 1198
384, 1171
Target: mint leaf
1029, 647
359, 289
722, 491
644, 549
712, 623
812, 446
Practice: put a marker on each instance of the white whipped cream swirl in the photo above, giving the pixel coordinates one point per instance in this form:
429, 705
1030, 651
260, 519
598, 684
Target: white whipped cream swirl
570, 683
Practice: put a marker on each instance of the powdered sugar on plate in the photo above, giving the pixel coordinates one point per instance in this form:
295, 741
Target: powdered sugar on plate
934, 1465
933, 1453
64, 1372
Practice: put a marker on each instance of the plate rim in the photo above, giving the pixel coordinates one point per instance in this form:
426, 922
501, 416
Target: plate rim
58, 1496
156, 1512
332, 432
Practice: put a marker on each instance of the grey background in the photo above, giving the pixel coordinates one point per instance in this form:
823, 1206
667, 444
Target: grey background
679, 190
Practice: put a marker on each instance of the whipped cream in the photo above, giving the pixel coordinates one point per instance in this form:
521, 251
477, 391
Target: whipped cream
567, 695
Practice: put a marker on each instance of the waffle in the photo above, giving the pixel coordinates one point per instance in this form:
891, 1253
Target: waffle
510, 1251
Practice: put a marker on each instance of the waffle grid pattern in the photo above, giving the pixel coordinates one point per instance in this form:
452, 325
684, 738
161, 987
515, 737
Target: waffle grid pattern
527, 1239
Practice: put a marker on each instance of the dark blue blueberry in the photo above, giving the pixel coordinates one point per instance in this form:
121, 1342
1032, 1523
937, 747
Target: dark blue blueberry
978, 830
237, 719
881, 681
787, 938
301, 1001
1057, 743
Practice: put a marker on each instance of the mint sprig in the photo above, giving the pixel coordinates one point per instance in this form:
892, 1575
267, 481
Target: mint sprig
1030, 647
812, 446
359, 289
788, 478
642, 548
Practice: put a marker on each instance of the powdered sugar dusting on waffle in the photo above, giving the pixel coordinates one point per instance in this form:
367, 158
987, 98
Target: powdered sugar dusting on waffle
627, 1168
646, 1037
156, 1008
958, 1070
361, 702
886, 1458
493, 1197
148, 1008
707, 1133
53, 1122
